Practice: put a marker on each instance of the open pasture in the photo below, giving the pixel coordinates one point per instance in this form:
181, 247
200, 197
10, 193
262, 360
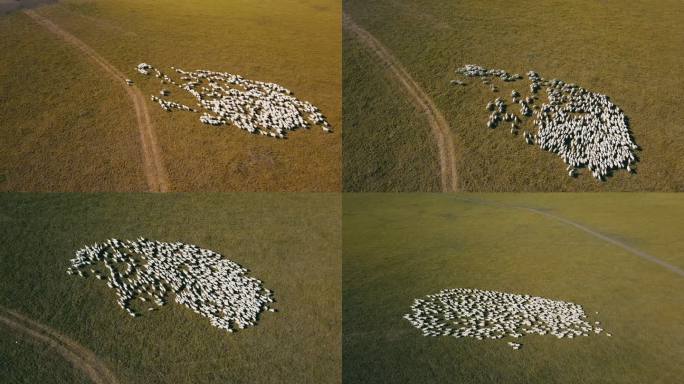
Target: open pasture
296, 255
73, 128
579, 248
387, 148
626, 50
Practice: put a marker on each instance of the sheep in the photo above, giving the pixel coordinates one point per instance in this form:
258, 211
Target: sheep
584, 128
229, 99
465, 312
201, 279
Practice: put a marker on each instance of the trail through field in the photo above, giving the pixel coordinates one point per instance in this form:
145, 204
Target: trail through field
438, 124
79, 356
619, 243
605, 238
394, 335
155, 172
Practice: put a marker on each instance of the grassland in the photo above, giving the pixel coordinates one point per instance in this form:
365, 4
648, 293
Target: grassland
388, 147
401, 247
7, 6
291, 242
64, 126
626, 50
38, 364
293, 43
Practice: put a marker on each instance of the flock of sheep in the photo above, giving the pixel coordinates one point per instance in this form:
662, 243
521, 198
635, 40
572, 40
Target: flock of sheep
227, 99
584, 128
146, 272
464, 312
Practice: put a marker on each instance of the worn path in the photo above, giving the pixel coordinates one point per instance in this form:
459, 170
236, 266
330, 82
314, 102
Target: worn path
79, 356
595, 233
438, 124
616, 242
155, 172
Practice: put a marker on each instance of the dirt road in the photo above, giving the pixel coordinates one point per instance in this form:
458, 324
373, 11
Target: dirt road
616, 242
439, 127
549, 215
155, 172
79, 356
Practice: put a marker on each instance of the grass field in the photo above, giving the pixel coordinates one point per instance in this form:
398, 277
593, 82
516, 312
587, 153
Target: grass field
402, 247
625, 49
64, 125
37, 363
388, 148
74, 129
291, 242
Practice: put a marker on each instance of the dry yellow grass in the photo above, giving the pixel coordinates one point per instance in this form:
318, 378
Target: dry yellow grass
63, 125
295, 44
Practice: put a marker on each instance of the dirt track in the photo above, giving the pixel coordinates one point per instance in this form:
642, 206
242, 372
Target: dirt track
607, 239
79, 356
439, 126
637, 252
155, 172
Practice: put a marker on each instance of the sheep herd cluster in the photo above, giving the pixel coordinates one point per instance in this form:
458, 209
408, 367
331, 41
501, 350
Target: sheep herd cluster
200, 279
584, 128
227, 99
464, 312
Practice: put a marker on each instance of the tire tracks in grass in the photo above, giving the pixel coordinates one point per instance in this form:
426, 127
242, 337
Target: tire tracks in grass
586, 229
153, 166
79, 356
438, 124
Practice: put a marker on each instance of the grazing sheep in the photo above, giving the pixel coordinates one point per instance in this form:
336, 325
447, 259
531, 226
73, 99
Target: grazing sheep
584, 128
464, 312
199, 279
227, 99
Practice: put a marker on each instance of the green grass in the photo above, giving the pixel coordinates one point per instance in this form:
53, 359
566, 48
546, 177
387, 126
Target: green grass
650, 222
401, 247
294, 43
628, 50
388, 147
38, 363
291, 242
